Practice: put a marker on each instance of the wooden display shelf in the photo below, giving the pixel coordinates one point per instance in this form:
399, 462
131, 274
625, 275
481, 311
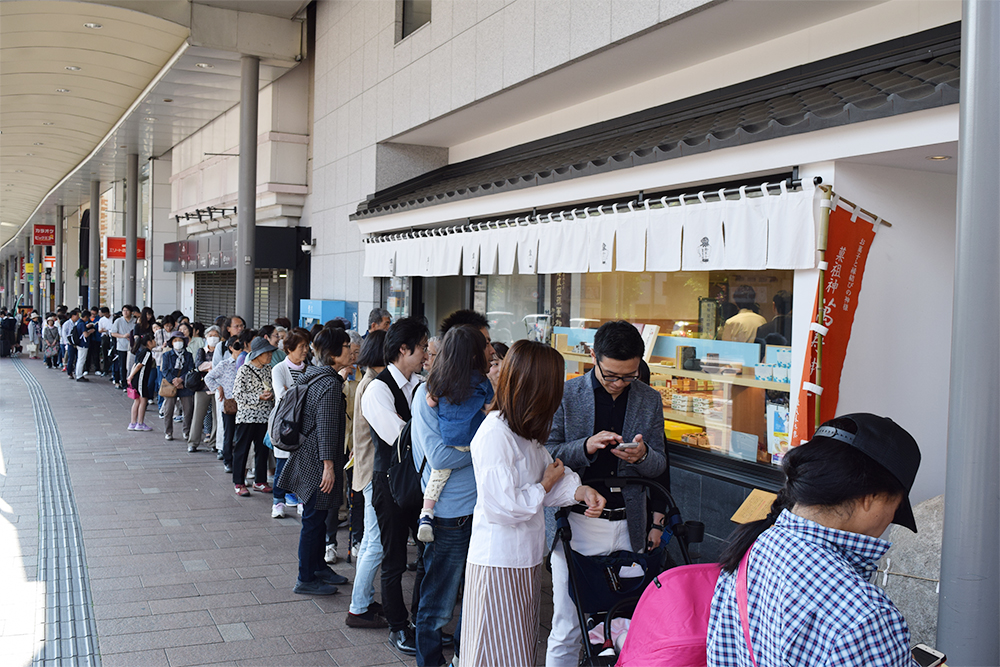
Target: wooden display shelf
684, 417
739, 380
660, 369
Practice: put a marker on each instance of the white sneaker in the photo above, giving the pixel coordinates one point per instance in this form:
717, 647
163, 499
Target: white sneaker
331, 554
278, 511
302, 508
354, 551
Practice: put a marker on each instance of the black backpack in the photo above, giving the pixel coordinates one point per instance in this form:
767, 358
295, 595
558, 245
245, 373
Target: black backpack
285, 424
404, 478
74, 337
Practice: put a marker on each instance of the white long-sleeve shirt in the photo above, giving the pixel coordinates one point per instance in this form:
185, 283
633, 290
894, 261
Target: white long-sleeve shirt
508, 525
379, 407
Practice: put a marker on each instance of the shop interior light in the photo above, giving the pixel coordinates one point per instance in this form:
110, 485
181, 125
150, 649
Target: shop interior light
48, 123
93, 26
938, 158
72, 68
204, 65
62, 90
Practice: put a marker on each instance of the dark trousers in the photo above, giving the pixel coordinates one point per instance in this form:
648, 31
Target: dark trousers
444, 562
229, 432
247, 434
311, 543
121, 366
395, 524
71, 361
94, 355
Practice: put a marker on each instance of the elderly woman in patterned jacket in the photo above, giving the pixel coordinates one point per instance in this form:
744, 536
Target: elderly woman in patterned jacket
254, 401
315, 471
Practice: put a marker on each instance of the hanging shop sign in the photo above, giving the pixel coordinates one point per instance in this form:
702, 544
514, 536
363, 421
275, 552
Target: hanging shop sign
43, 235
754, 228
114, 247
850, 237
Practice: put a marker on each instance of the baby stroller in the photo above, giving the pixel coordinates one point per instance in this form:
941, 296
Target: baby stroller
597, 586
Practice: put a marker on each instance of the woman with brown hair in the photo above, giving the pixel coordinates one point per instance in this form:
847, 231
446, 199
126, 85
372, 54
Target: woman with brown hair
516, 477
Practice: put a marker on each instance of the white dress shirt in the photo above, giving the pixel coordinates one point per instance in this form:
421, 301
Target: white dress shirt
104, 325
67, 326
508, 524
379, 407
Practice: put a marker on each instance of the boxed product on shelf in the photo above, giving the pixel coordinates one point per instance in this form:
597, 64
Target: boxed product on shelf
763, 372
699, 440
676, 430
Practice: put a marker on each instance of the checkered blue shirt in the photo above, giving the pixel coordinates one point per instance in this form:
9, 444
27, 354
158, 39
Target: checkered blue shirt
810, 603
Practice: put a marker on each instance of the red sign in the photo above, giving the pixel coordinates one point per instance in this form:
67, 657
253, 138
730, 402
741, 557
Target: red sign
114, 247
850, 239
44, 234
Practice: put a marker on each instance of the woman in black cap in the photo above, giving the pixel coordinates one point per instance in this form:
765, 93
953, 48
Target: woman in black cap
796, 587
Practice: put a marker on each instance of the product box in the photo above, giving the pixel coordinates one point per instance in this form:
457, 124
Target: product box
763, 372
778, 429
780, 374
676, 430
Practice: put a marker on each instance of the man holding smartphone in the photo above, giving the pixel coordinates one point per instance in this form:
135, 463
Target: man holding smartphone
608, 425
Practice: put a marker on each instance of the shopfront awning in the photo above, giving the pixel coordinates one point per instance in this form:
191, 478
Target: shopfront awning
766, 227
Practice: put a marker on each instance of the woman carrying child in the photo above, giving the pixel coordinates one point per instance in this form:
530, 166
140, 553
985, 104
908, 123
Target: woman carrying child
446, 413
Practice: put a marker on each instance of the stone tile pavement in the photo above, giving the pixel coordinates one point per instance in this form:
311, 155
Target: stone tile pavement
181, 570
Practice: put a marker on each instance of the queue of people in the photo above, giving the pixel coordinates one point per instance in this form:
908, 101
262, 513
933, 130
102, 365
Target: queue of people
497, 436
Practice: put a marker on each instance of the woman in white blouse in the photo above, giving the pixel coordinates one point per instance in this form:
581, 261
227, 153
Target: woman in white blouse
515, 478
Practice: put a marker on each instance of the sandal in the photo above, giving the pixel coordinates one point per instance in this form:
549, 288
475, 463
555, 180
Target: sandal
242, 490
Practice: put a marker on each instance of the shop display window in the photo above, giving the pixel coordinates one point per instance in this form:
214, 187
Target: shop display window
398, 295
724, 390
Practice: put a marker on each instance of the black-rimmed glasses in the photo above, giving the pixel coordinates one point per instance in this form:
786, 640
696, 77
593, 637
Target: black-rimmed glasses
609, 378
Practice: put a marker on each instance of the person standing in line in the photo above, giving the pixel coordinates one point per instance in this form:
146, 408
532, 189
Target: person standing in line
255, 400
364, 612
50, 341
782, 322
197, 337
333, 519
104, 323
82, 334
121, 330
220, 380
314, 472
35, 334
386, 406
379, 319
140, 381
175, 364
284, 375
809, 564
234, 326
516, 478
447, 410
608, 425
204, 400
68, 341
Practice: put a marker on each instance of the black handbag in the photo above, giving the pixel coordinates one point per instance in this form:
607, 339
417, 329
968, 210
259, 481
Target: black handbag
195, 380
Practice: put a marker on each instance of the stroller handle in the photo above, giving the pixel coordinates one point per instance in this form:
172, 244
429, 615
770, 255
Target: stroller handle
642, 481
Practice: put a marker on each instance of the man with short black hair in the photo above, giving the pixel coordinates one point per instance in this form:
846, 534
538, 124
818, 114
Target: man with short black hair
742, 327
66, 336
106, 347
379, 320
81, 339
465, 317
608, 425
782, 322
386, 405
121, 332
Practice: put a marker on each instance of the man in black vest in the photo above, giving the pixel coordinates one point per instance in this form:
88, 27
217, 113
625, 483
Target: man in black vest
386, 406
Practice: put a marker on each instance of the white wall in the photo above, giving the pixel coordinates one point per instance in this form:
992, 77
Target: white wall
898, 360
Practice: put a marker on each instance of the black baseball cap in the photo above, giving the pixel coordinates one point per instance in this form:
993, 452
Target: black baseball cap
887, 443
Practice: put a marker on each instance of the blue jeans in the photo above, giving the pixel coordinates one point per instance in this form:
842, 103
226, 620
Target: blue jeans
312, 540
369, 559
444, 568
279, 493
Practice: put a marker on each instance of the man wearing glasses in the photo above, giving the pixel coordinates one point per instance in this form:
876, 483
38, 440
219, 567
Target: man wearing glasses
608, 425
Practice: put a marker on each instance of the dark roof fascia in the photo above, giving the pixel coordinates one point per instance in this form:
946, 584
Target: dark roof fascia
894, 53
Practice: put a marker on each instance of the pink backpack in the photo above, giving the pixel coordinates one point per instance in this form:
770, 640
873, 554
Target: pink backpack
670, 623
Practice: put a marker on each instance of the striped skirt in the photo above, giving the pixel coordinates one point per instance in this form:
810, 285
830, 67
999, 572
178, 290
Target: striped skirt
500, 616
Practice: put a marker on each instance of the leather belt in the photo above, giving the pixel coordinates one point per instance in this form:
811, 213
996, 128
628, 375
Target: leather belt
609, 515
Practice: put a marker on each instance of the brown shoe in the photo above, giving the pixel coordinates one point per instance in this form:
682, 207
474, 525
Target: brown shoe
369, 619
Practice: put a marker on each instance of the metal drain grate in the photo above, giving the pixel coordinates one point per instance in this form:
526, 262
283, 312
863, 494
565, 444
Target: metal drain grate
70, 627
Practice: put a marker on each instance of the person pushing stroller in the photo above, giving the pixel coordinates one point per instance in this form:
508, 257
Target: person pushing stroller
608, 425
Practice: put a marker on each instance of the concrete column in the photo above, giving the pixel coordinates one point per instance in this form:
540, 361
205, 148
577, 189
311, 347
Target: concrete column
38, 258
246, 232
94, 265
131, 225
57, 271
26, 253
969, 602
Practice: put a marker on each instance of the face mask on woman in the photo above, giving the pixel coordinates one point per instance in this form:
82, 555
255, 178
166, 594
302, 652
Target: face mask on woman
178, 345
212, 341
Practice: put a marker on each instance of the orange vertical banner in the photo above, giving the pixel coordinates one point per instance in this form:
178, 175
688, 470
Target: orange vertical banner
849, 240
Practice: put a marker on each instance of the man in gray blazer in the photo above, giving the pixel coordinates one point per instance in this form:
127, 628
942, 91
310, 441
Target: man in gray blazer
608, 425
